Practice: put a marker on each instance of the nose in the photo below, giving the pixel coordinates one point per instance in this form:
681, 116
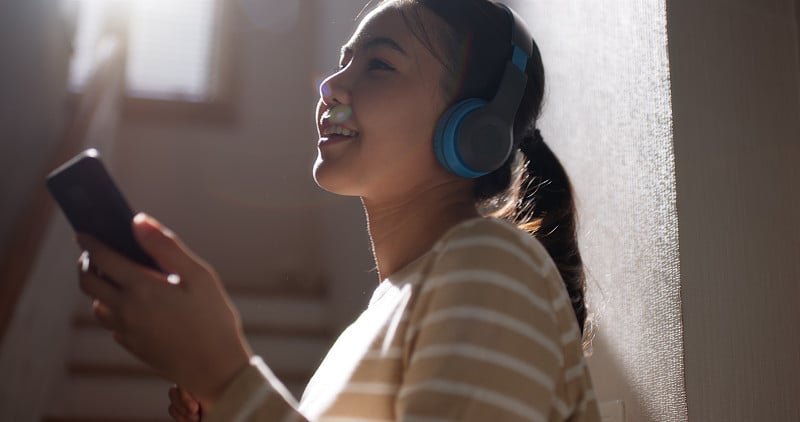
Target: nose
334, 89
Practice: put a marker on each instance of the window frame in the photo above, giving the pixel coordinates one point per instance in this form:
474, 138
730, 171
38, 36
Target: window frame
221, 109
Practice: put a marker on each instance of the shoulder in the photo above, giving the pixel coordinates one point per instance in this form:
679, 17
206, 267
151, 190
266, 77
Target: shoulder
491, 261
492, 244
488, 282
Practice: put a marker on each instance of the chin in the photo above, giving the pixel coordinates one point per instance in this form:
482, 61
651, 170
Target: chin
334, 180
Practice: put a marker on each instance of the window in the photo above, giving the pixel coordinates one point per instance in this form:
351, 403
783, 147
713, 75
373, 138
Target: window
173, 47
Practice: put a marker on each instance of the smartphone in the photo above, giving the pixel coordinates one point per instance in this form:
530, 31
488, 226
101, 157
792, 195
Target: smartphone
92, 203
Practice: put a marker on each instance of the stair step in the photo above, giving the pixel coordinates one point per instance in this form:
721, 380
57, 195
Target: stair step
288, 326
285, 287
262, 316
104, 398
101, 419
93, 346
114, 373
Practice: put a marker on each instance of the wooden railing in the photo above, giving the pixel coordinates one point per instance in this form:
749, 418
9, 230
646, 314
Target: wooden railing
25, 240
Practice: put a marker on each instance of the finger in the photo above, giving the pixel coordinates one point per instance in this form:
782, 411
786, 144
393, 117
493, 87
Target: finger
83, 262
105, 316
177, 400
165, 247
174, 395
189, 401
115, 266
97, 288
85, 266
173, 411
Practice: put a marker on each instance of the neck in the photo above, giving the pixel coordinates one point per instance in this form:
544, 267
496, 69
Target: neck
402, 230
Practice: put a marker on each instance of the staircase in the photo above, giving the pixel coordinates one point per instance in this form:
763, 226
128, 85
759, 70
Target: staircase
286, 325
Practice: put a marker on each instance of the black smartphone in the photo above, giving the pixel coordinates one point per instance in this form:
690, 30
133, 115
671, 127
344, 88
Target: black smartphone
92, 203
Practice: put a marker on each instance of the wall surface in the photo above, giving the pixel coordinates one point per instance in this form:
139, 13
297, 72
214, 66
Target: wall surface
608, 118
33, 75
36, 343
736, 103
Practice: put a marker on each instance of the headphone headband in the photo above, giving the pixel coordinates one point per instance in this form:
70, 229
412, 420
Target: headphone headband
512, 85
475, 137
521, 38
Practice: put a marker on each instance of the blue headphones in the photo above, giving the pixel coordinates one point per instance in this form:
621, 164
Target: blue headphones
475, 137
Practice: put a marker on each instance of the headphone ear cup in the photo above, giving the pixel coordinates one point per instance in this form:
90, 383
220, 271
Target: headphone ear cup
447, 138
485, 141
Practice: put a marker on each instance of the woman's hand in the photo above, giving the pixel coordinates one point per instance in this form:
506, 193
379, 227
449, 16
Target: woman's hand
183, 407
186, 328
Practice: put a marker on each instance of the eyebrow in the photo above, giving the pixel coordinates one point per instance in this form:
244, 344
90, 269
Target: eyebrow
375, 42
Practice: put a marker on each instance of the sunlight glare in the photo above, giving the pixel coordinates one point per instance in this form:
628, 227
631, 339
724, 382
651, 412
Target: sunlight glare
174, 279
171, 45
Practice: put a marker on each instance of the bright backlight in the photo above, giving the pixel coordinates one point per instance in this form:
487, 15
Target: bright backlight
170, 45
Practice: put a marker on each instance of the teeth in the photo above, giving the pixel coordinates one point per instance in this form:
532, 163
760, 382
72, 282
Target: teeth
338, 130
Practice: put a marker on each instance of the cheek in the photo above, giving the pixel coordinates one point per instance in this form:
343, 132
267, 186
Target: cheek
405, 130
407, 122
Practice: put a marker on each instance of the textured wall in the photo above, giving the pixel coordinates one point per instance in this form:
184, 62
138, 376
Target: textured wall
608, 117
736, 101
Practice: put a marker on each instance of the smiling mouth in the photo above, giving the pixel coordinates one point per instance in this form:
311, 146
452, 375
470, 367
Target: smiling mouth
335, 139
338, 130
336, 134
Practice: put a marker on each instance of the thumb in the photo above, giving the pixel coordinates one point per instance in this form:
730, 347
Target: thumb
164, 246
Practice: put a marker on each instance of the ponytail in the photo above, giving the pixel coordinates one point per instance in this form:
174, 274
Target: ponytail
546, 209
540, 201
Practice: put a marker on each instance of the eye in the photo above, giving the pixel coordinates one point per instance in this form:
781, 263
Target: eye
376, 64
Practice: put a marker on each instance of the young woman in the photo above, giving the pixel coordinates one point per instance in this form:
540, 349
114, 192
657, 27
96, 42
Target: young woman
479, 313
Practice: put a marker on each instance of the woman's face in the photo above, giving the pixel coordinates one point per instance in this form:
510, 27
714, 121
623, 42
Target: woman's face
376, 115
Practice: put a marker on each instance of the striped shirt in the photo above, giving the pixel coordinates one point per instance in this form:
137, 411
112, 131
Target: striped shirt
479, 328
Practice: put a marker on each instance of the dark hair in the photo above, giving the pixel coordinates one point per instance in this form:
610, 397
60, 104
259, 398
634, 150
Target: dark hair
531, 189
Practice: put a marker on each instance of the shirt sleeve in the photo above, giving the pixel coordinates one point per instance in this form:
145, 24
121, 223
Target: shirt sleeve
255, 394
483, 340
